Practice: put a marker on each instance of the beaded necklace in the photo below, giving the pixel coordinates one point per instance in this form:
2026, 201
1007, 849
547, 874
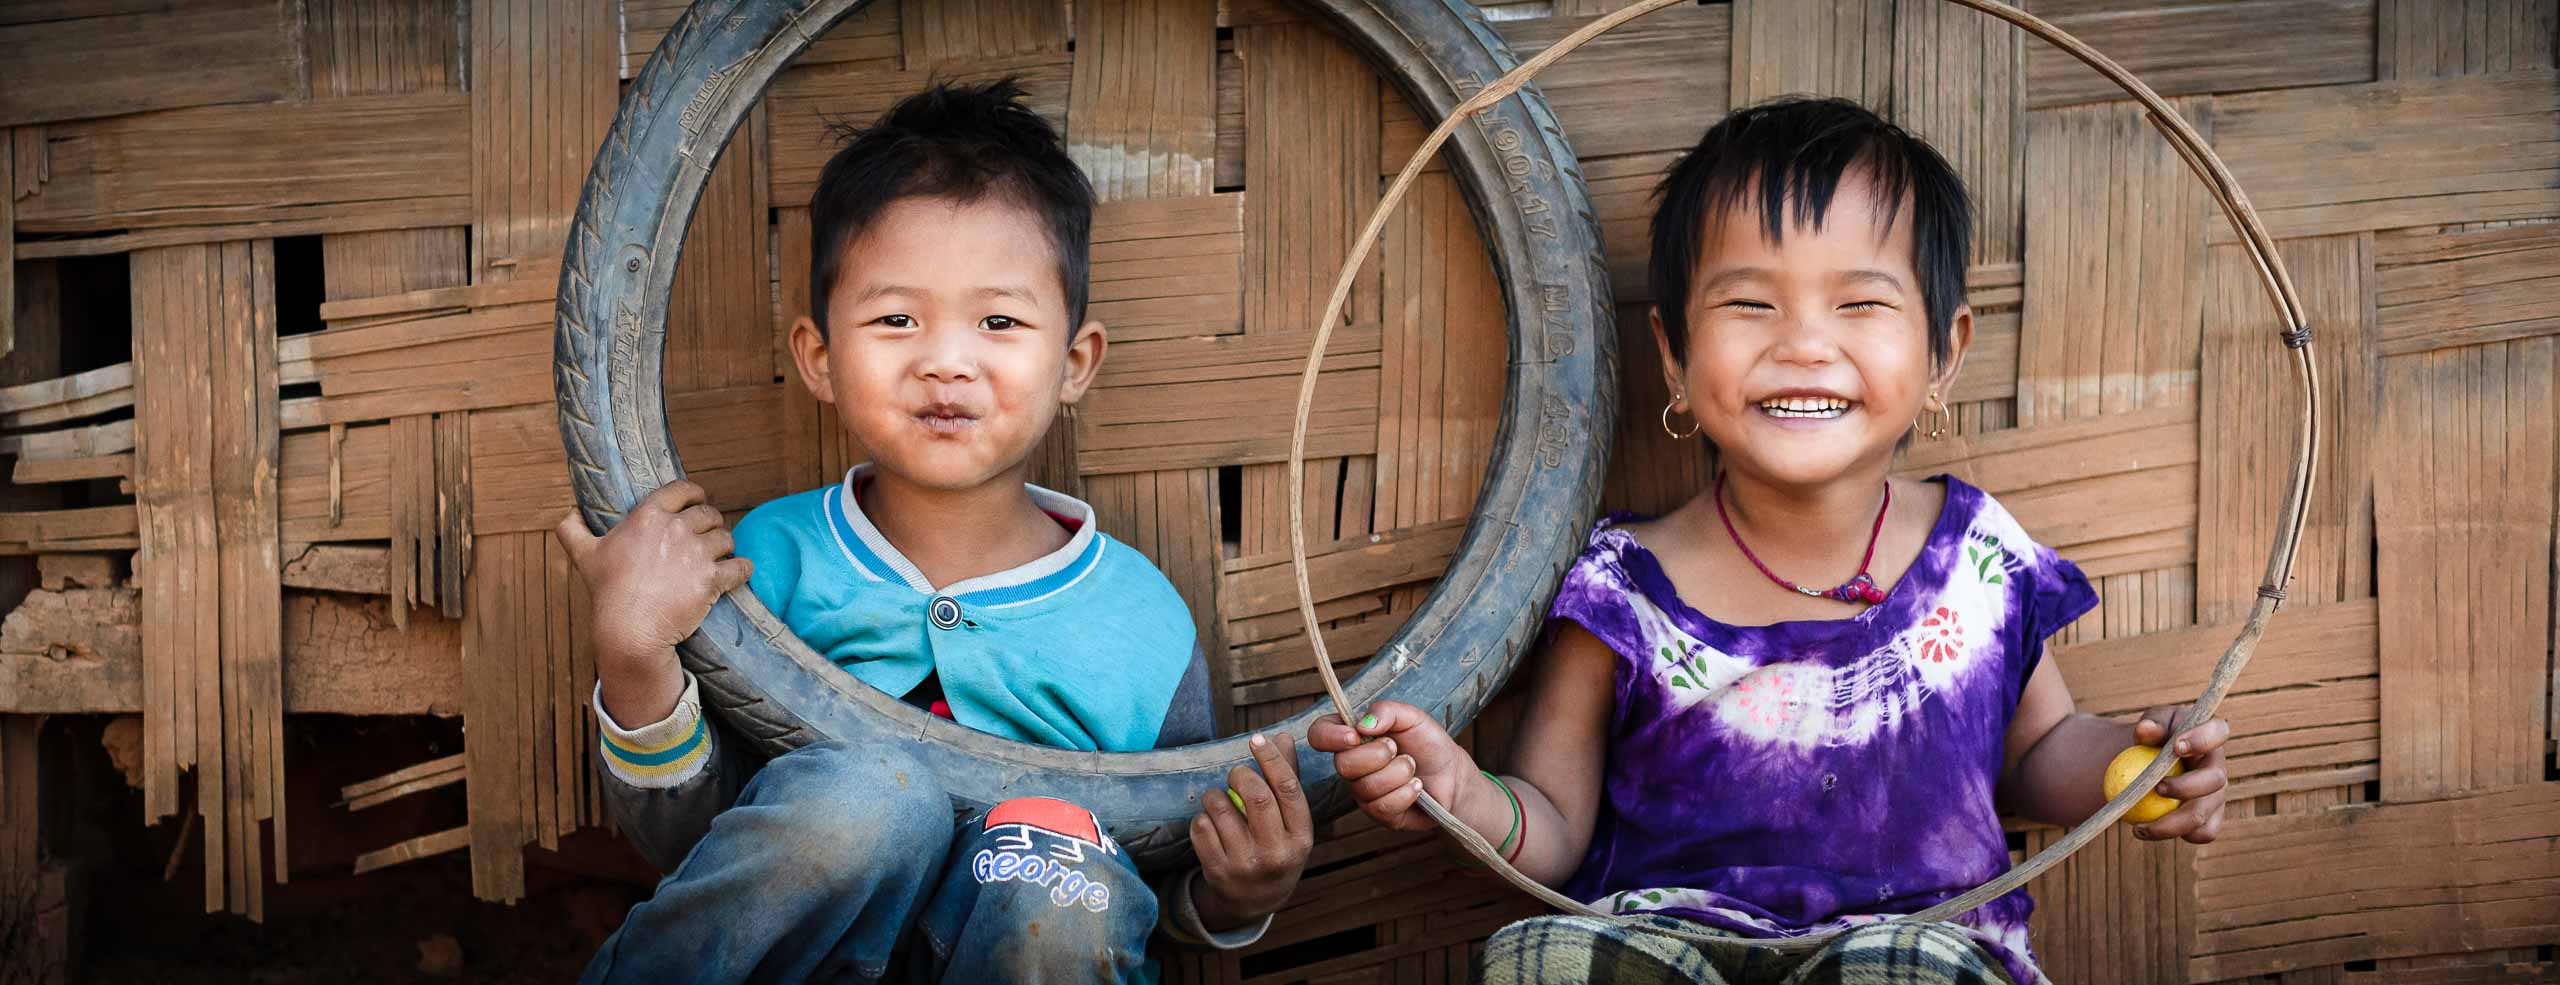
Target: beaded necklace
1861, 589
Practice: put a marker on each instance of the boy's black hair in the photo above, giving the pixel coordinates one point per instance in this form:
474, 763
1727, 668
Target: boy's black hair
960, 142
1790, 154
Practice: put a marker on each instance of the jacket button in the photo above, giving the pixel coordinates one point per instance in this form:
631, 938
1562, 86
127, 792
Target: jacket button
945, 612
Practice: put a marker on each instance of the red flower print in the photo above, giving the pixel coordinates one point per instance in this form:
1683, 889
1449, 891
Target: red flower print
1764, 696
1941, 636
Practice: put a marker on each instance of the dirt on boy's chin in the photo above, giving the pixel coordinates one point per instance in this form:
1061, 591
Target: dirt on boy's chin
950, 464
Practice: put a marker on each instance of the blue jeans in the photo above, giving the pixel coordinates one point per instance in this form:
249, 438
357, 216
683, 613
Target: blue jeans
840, 864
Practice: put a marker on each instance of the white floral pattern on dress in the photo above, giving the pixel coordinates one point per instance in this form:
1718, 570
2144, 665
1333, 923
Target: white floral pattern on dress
1804, 704
1690, 669
1785, 704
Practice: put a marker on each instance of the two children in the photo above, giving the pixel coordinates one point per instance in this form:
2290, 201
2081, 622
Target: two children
949, 243
1712, 743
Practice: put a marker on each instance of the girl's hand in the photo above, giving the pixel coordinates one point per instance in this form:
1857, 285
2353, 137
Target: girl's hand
1395, 754
2201, 788
1250, 859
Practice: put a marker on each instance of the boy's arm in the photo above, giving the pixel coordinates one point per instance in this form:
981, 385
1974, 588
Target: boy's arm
650, 580
2056, 759
1178, 917
1252, 837
1188, 721
664, 781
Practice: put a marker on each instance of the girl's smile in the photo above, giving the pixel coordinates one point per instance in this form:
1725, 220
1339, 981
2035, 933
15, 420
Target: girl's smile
1807, 355
1805, 407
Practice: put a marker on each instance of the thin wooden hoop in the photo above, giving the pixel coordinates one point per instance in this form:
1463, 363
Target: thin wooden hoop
2271, 274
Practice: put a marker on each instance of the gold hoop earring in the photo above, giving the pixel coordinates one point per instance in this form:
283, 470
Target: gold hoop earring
1666, 421
1944, 422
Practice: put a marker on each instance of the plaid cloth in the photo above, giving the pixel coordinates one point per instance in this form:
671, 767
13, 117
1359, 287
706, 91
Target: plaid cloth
1621, 952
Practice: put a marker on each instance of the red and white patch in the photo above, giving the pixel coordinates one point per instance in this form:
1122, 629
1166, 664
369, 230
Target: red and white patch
1070, 828
1041, 842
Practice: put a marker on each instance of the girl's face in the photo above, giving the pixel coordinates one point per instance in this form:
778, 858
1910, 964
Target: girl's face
1808, 359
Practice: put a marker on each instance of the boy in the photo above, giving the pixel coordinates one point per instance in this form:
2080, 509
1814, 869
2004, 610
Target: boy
949, 245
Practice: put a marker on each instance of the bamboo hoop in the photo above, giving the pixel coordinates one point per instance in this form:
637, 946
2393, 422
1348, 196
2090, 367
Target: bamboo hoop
2254, 237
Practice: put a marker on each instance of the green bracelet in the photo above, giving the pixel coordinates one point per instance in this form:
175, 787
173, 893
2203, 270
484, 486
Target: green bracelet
1516, 818
1518, 814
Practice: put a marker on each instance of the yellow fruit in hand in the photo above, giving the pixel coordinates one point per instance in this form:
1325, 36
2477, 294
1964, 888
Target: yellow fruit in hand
2127, 765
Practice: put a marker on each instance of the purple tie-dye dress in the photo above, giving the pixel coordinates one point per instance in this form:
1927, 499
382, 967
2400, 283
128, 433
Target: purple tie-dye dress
1774, 780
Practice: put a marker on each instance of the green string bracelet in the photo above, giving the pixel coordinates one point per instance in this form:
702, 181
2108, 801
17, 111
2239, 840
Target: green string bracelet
1519, 815
1519, 819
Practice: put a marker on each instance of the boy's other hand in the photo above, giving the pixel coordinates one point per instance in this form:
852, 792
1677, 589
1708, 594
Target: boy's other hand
652, 578
1395, 753
2201, 789
1250, 859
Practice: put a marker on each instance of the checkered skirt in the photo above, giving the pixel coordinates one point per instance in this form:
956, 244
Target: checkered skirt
1628, 952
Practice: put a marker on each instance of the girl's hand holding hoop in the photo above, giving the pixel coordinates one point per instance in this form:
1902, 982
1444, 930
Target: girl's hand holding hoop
1395, 753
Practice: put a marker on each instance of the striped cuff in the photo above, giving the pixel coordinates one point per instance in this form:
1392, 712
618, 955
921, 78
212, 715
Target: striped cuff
659, 755
1181, 920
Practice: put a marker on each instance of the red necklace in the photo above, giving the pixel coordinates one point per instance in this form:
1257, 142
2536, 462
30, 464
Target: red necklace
1859, 589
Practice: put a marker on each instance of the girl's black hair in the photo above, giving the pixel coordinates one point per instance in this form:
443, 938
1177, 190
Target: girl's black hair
1790, 153
958, 142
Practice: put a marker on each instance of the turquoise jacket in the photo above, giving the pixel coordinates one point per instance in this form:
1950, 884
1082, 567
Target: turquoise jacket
1084, 648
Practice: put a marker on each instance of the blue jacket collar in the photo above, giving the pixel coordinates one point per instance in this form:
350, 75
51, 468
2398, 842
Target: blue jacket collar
873, 557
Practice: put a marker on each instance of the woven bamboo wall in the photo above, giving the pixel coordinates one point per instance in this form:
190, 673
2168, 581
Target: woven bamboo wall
331, 228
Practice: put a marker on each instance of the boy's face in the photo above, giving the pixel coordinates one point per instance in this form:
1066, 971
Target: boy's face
1808, 359
948, 353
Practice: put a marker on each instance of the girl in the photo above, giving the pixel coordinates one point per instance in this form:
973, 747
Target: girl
1800, 701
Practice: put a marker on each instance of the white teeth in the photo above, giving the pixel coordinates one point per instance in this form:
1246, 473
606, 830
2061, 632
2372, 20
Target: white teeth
1807, 407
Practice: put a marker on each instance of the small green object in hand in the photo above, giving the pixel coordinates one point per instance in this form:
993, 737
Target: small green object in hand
1235, 798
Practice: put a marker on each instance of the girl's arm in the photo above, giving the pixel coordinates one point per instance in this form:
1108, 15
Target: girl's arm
2057, 757
1556, 757
1397, 751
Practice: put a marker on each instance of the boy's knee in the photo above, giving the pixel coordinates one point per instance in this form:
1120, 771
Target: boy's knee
1057, 901
876, 782
839, 810
1035, 853
1057, 945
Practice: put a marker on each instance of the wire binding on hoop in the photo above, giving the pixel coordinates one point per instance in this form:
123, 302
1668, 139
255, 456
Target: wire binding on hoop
2271, 593
2297, 336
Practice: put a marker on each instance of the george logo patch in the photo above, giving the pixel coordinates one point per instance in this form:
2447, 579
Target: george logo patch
1036, 840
